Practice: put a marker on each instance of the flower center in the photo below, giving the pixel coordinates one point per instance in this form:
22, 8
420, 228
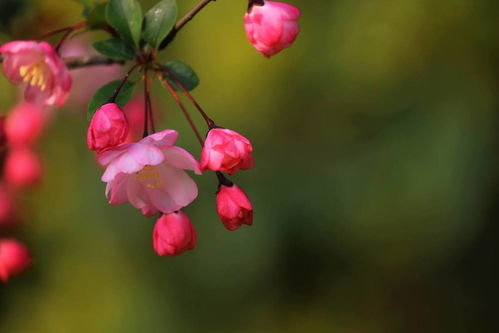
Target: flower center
150, 176
33, 75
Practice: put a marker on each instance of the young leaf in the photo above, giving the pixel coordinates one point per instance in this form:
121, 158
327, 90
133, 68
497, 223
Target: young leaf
159, 21
183, 73
126, 17
103, 95
115, 49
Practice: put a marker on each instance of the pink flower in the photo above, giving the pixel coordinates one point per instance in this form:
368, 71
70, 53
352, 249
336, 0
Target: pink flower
38, 65
173, 234
234, 207
108, 128
14, 258
227, 151
25, 123
272, 26
150, 174
22, 167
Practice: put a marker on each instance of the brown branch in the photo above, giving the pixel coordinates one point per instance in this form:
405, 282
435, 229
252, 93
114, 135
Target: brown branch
190, 15
79, 62
183, 21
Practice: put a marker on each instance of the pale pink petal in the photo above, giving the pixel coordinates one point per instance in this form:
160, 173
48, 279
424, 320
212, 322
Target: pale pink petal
179, 158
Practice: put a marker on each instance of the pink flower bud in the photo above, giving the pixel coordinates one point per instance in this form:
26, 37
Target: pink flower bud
24, 124
108, 128
227, 151
173, 234
272, 26
14, 258
22, 167
234, 207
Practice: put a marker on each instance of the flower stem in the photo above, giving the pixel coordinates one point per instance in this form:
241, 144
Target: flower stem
146, 106
182, 107
118, 89
211, 124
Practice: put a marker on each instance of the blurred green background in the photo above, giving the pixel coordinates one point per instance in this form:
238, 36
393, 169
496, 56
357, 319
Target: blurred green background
375, 188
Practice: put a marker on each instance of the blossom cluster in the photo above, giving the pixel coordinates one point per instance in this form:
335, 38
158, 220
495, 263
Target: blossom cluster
151, 173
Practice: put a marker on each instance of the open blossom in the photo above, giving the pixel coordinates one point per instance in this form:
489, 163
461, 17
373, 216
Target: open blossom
272, 26
25, 123
234, 207
14, 258
40, 67
150, 174
23, 167
227, 151
173, 234
108, 128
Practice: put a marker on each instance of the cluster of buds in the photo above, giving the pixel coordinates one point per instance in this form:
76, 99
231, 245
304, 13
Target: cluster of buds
151, 173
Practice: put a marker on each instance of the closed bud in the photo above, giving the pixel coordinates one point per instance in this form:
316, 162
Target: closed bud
108, 128
226, 151
173, 234
271, 26
234, 207
14, 258
24, 124
22, 167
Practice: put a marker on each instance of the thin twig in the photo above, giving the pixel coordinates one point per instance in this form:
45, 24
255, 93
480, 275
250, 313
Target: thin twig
190, 15
183, 21
86, 61
211, 124
146, 104
182, 107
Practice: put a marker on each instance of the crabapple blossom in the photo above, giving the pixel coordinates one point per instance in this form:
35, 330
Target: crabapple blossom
23, 167
14, 258
173, 234
150, 174
227, 151
271, 27
40, 67
234, 207
25, 123
108, 128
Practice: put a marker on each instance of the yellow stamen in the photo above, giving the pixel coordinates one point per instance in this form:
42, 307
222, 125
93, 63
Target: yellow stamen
150, 176
33, 75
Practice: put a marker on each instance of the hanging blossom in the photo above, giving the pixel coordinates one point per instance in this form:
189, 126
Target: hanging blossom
271, 26
227, 151
40, 67
150, 174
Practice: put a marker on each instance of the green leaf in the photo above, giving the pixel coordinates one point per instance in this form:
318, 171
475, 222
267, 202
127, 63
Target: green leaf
159, 21
115, 49
126, 17
96, 18
183, 73
105, 93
